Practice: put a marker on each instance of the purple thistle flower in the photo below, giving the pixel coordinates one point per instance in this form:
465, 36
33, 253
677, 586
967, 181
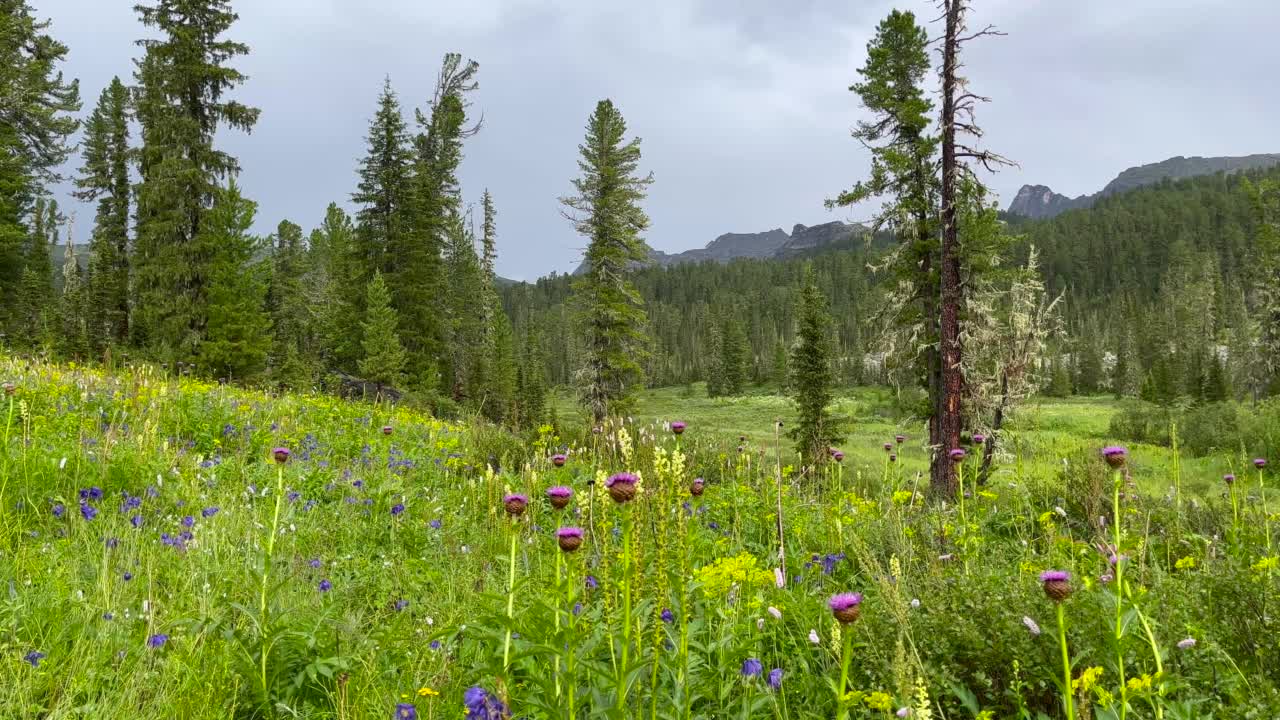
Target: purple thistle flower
559, 491
775, 678
397, 508
957, 454
325, 586
1115, 455
1054, 576
59, 510
979, 438
157, 641
386, 429
515, 503
900, 438
209, 512
678, 427
844, 601
188, 521
281, 454
837, 455
559, 459
1228, 478
888, 447
751, 667
405, 711
1259, 463
88, 511
34, 657
624, 478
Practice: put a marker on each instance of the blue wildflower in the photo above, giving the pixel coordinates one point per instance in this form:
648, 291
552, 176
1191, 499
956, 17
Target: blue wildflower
34, 657
483, 705
315, 563
88, 511
209, 512
401, 604
667, 615
92, 493
128, 576
325, 585
136, 521
157, 641
406, 711
59, 510
435, 524
188, 521
293, 496
434, 645
112, 542
751, 667
775, 678
592, 583
397, 508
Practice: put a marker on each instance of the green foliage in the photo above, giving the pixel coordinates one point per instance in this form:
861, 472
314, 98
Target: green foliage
812, 380
104, 177
340, 307
384, 357
238, 338
606, 210
180, 102
35, 125
292, 330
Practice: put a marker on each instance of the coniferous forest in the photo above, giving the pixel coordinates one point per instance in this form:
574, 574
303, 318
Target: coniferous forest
358, 473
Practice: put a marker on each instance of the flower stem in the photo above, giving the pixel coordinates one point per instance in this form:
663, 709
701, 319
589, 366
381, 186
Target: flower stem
846, 655
1119, 631
511, 603
621, 699
266, 581
559, 562
1068, 699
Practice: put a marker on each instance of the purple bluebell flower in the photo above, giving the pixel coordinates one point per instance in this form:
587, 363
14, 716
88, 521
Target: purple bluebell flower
483, 705
325, 586
34, 657
111, 542
751, 667
401, 604
209, 512
434, 644
667, 616
435, 524
315, 563
88, 511
592, 583
91, 493
157, 641
127, 576
59, 510
130, 503
406, 711
775, 678
188, 521
357, 484
293, 496
152, 491
136, 521
397, 508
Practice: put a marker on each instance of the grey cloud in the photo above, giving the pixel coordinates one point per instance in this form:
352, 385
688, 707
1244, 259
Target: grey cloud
743, 107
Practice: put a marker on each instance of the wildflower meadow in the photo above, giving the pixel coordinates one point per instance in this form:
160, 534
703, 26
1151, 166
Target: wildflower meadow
175, 548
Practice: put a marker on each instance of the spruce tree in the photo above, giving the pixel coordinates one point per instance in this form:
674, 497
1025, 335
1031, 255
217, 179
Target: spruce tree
606, 210
238, 338
435, 211
291, 359
733, 357
36, 299
104, 177
469, 359
383, 192
181, 101
340, 308
384, 356
36, 107
812, 378
532, 389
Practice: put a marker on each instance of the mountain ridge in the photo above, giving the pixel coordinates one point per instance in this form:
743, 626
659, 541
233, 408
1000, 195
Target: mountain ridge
769, 244
1040, 201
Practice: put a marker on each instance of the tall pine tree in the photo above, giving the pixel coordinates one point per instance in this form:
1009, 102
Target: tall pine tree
104, 177
238, 337
384, 356
812, 378
183, 80
606, 210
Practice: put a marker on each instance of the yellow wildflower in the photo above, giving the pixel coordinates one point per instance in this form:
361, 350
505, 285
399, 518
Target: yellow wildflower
427, 692
1186, 563
1140, 684
1087, 679
879, 701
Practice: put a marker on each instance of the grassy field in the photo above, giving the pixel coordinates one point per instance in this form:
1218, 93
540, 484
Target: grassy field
1046, 432
159, 558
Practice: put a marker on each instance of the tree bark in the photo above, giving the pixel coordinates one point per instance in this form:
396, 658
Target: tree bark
950, 413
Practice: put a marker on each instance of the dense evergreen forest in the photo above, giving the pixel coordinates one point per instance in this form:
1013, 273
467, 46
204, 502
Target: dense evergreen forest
1156, 287
1166, 292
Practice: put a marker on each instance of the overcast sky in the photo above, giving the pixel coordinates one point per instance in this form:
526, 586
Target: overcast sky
742, 106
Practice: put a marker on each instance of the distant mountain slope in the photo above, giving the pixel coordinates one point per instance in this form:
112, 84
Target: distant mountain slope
1038, 201
774, 243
